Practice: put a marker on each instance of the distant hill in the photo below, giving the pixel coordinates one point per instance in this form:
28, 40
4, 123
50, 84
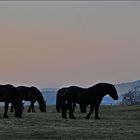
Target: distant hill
49, 94
126, 87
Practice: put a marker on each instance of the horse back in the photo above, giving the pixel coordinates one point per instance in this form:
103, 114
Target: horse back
77, 94
8, 92
24, 92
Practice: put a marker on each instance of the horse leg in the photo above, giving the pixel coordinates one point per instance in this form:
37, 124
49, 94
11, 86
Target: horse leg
83, 108
32, 106
12, 107
70, 110
73, 107
29, 110
90, 112
22, 106
6, 109
64, 110
96, 112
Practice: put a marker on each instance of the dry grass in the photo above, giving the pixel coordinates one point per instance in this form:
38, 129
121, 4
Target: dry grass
117, 123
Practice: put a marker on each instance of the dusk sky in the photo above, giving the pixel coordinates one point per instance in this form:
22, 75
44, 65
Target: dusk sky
57, 44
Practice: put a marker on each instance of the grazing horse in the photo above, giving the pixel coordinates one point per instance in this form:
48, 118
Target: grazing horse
31, 94
9, 94
87, 96
59, 98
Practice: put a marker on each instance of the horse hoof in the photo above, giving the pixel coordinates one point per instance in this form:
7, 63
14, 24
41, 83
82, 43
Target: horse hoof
87, 118
18, 117
5, 116
97, 118
64, 117
72, 118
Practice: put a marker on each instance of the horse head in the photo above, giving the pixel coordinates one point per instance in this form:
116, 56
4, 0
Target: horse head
39, 98
42, 106
113, 92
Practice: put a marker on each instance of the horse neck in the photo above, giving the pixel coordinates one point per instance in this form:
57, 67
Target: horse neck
103, 91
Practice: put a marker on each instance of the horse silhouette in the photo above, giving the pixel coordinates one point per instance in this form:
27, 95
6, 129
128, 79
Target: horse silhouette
31, 94
86, 96
9, 94
60, 96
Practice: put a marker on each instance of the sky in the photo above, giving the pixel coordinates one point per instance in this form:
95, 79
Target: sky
58, 44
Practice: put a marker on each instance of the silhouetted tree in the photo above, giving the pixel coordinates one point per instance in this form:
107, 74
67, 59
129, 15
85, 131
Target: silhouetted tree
132, 97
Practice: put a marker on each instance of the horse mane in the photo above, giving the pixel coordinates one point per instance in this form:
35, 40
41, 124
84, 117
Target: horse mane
101, 84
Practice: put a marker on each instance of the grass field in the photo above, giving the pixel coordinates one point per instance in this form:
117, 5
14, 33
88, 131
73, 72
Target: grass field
117, 123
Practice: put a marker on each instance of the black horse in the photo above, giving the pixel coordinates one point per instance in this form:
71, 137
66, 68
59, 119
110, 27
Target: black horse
59, 98
31, 94
87, 96
9, 94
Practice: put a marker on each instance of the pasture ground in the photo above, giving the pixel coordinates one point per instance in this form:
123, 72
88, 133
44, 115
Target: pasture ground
117, 123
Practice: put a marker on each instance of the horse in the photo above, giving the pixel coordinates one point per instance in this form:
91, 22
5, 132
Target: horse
31, 94
9, 94
60, 95
87, 96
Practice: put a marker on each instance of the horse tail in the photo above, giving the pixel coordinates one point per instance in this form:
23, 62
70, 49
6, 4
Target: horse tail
60, 98
58, 101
